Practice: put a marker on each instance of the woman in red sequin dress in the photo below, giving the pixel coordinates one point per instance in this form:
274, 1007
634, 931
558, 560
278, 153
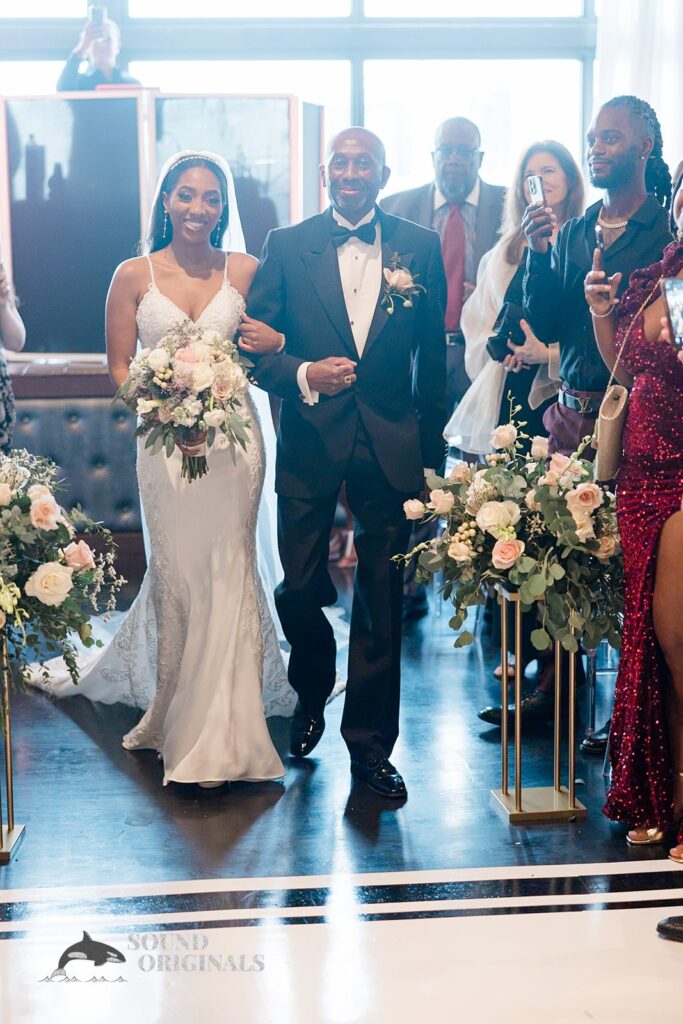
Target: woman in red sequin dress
646, 742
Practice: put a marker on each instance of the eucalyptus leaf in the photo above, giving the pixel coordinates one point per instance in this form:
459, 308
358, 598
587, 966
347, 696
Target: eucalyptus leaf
464, 639
540, 639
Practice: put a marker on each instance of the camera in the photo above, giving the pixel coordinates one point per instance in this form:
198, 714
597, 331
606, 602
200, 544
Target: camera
506, 328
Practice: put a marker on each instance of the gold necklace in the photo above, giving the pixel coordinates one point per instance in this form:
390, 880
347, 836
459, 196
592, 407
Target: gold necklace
614, 225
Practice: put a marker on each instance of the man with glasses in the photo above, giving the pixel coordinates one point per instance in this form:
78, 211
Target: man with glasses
466, 212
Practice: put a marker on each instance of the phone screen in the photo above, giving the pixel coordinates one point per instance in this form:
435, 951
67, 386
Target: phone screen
599, 238
536, 190
672, 289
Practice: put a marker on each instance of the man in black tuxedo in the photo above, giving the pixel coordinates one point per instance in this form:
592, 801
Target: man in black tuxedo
466, 212
363, 394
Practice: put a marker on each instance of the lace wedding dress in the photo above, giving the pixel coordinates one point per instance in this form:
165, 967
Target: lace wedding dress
198, 647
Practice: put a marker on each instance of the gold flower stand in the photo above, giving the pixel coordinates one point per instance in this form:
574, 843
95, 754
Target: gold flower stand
540, 803
11, 834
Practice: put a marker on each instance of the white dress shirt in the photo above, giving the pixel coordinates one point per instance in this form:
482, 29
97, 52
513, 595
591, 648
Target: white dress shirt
360, 271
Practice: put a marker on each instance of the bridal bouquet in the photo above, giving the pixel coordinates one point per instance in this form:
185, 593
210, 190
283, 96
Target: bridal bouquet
50, 582
537, 526
188, 390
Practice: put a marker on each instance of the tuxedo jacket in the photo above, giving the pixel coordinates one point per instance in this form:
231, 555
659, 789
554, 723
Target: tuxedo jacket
417, 204
399, 396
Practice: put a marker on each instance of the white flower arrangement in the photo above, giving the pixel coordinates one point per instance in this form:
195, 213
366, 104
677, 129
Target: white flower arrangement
188, 391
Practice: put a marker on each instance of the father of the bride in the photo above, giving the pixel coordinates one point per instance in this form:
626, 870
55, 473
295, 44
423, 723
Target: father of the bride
362, 376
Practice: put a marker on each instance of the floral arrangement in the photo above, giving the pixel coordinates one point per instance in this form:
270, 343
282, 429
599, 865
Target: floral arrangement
50, 582
531, 524
399, 286
187, 391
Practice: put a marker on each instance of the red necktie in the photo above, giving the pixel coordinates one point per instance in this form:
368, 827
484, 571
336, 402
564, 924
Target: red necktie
453, 250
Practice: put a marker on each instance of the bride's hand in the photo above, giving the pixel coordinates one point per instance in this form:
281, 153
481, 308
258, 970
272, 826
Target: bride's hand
257, 337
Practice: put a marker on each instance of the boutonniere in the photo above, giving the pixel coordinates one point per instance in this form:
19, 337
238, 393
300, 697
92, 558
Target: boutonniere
399, 285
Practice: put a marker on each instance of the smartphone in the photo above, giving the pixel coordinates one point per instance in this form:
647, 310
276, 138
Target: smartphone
536, 190
599, 238
672, 290
97, 15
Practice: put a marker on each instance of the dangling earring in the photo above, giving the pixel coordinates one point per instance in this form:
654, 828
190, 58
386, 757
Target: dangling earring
216, 236
163, 233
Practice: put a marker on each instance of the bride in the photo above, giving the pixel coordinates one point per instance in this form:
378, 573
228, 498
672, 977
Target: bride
198, 645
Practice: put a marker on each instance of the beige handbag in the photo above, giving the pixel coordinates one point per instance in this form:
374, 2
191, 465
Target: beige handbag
609, 426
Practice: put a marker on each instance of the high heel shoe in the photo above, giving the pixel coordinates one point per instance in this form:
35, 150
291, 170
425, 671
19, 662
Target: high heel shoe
652, 837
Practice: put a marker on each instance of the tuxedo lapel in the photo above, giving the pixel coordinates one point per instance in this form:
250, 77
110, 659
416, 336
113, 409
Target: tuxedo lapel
389, 250
322, 267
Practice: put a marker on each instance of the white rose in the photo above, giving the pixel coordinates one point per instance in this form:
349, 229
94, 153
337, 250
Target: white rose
214, 418
459, 551
165, 412
193, 407
584, 498
5, 494
504, 436
584, 527
142, 354
202, 376
50, 583
440, 501
539, 447
159, 359
146, 405
495, 516
413, 508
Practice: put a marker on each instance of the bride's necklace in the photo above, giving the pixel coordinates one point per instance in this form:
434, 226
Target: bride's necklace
614, 225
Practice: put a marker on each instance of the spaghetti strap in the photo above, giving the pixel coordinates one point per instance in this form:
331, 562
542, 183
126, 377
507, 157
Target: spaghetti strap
225, 268
151, 271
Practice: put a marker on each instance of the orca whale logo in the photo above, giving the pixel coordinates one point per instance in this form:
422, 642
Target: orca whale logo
88, 949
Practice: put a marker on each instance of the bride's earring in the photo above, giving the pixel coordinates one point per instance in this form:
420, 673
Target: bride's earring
163, 233
216, 236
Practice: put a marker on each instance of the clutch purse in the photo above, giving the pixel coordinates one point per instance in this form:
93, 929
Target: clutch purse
609, 426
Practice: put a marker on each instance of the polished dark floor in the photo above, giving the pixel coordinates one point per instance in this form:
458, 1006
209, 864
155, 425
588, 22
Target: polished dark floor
97, 814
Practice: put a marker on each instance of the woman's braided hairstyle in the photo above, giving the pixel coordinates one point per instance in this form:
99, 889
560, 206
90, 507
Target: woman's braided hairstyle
657, 175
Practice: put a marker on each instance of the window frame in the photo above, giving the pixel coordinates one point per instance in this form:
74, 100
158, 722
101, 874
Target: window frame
354, 38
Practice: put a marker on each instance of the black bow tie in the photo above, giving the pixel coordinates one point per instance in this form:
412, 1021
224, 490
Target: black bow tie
366, 233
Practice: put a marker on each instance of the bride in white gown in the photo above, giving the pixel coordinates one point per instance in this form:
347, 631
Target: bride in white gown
198, 647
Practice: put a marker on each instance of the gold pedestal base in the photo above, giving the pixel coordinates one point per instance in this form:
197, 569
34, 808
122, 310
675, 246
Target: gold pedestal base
542, 803
11, 840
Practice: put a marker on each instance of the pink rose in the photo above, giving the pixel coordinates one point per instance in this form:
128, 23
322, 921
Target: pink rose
79, 556
504, 436
560, 466
38, 491
440, 501
413, 508
460, 474
45, 513
608, 547
539, 447
584, 498
401, 280
506, 552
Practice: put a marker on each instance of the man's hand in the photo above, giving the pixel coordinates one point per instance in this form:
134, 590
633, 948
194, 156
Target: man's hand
538, 224
600, 290
332, 375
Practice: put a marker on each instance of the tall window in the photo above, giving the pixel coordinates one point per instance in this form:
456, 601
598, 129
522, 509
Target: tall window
513, 102
253, 9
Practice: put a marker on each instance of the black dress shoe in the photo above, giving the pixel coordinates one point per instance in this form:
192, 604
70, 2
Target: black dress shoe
536, 707
671, 928
381, 776
306, 732
596, 743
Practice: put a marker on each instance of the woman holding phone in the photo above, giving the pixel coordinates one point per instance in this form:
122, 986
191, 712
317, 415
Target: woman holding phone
646, 741
12, 336
99, 44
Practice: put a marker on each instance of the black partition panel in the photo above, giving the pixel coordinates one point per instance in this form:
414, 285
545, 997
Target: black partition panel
75, 212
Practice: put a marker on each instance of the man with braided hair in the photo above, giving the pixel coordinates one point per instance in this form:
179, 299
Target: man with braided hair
624, 154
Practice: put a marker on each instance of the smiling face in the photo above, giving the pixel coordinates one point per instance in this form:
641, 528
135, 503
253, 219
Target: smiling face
194, 205
555, 184
616, 148
354, 173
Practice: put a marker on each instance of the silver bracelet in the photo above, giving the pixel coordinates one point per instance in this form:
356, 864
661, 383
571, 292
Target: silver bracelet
608, 313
